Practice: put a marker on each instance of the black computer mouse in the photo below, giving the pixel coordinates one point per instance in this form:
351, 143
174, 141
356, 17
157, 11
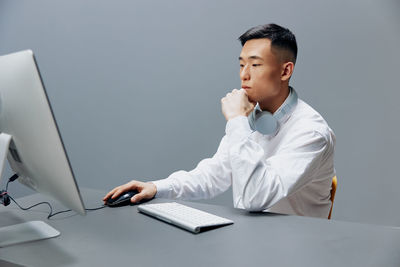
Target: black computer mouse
122, 200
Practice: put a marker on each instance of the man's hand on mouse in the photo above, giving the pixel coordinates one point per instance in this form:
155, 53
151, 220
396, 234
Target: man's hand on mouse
146, 191
236, 103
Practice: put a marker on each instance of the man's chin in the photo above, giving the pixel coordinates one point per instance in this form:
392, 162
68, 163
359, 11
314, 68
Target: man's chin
251, 100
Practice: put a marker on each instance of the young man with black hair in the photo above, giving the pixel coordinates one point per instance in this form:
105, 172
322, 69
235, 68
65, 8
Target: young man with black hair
285, 168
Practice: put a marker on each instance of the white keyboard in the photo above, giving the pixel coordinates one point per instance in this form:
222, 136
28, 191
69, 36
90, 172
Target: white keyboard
183, 216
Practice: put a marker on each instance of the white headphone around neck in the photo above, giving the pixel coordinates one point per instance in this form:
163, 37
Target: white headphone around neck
266, 123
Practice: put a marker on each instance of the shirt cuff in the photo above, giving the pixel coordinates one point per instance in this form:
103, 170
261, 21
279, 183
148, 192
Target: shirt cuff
237, 129
164, 188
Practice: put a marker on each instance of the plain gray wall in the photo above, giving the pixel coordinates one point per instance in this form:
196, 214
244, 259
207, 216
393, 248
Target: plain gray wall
136, 85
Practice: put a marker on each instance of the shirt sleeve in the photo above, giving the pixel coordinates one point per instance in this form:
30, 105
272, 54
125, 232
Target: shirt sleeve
211, 177
259, 182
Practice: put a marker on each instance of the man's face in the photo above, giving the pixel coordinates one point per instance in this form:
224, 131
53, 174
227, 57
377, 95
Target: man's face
260, 71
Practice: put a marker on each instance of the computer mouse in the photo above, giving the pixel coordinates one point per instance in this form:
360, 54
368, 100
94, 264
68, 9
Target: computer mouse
122, 200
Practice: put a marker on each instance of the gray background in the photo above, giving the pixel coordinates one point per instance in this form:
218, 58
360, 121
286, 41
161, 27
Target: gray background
136, 85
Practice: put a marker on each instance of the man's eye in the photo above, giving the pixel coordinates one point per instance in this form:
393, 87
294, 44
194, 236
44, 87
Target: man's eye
241, 65
255, 65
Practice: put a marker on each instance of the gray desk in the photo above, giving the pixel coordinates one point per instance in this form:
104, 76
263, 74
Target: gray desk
113, 236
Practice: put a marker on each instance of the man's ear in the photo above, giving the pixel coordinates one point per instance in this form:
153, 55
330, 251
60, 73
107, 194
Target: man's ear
287, 70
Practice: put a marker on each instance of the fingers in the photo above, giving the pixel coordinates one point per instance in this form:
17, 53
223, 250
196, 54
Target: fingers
144, 194
117, 191
109, 194
228, 95
251, 108
138, 197
235, 91
147, 191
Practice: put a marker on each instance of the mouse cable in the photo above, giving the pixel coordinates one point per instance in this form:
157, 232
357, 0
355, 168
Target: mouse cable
51, 214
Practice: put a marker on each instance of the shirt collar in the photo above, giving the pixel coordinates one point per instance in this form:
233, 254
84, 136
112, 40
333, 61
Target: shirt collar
287, 107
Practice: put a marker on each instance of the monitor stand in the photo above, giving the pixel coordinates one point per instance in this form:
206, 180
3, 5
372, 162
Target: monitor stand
22, 232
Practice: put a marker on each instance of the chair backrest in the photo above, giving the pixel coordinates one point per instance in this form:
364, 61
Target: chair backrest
333, 191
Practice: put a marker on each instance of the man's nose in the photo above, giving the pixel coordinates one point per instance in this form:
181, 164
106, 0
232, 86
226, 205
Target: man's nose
244, 74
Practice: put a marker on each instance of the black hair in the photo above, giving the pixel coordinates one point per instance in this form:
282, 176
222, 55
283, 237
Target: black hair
280, 37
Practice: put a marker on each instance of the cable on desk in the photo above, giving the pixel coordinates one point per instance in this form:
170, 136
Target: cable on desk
51, 214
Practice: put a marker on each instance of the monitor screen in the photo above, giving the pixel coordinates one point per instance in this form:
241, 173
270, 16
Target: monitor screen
30, 137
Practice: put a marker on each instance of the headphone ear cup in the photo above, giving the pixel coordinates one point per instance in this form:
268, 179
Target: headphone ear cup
265, 123
251, 118
4, 198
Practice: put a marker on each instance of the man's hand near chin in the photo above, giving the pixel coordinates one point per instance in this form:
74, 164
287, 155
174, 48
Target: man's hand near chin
236, 103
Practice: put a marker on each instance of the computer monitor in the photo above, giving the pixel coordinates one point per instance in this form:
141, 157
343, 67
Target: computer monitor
31, 141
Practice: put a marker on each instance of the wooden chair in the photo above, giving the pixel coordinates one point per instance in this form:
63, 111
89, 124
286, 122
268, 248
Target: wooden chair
333, 191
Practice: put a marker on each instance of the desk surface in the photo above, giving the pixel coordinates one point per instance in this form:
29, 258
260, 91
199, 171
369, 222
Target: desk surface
113, 236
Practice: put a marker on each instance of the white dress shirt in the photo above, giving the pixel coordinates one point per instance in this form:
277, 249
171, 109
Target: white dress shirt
289, 172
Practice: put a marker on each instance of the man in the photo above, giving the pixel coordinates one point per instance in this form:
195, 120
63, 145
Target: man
288, 170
